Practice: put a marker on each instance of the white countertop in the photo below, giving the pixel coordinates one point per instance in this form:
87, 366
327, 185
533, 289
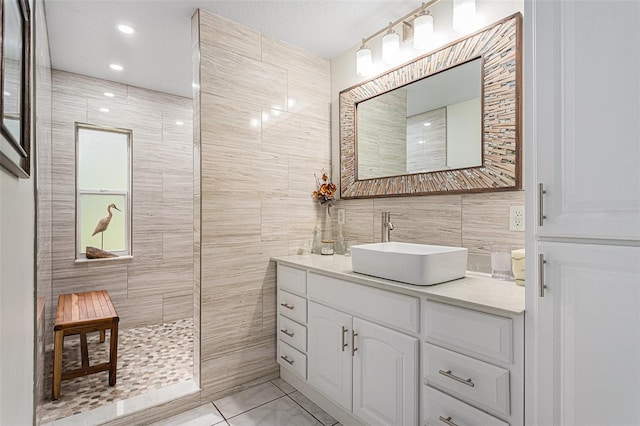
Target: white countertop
475, 291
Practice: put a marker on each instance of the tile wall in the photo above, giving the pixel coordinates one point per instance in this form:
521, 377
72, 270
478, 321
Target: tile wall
157, 284
474, 221
264, 131
42, 107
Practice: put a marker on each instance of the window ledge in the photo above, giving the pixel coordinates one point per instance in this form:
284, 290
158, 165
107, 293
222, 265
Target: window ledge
106, 259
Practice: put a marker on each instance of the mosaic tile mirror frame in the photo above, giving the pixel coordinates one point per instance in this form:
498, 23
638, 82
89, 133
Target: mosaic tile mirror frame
499, 47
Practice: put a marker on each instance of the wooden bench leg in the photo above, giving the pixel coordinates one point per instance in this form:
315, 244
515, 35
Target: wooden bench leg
84, 351
113, 353
102, 336
57, 364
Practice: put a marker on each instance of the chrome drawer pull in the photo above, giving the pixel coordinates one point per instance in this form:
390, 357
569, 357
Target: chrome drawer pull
344, 332
286, 305
287, 332
447, 420
286, 358
448, 374
353, 343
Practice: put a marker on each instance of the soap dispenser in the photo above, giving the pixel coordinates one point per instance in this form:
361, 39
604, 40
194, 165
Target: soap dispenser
316, 245
339, 245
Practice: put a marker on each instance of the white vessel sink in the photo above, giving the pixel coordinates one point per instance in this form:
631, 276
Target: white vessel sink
417, 264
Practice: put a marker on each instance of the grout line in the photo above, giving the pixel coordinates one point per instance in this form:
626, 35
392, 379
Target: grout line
310, 413
283, 391
253, 408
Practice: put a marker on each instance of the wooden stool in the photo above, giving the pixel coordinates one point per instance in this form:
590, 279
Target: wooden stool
82, 313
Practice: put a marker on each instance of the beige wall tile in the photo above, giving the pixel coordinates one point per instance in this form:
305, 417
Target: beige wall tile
235, 76
241, 172
295, 134
228, 218
228, 35
150, 280
231, 123
231, 372
486, 220
425, 220
178, 305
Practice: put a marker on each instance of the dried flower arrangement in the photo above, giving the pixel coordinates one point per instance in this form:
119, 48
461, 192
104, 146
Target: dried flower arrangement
326, 190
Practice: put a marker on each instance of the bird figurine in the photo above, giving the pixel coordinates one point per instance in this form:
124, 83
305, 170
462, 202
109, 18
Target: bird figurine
103, 224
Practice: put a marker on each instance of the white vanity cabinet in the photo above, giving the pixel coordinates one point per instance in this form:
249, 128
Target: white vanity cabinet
292, 320
476, 361
378, 352
365, 367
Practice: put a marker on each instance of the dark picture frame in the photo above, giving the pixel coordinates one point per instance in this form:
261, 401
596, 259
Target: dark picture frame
15, 93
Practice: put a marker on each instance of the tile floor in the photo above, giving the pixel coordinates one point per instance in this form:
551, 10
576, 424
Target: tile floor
274, 403
151, 357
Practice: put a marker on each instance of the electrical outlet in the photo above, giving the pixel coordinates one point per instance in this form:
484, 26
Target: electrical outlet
516, 218
342, 216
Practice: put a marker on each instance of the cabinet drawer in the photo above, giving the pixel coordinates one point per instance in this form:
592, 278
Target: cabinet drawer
292, 359
474, 381
439, 406
293, 333
292, 306
469, 331
292, 279
382, 306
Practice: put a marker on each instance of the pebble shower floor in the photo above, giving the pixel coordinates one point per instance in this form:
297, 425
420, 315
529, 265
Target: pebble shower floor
150, 357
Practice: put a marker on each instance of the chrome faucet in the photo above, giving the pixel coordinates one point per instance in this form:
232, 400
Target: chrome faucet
387, 227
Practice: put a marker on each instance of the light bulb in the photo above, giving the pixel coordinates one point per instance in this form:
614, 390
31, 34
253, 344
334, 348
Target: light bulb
464, 13
422, 31
364, 61
390, 47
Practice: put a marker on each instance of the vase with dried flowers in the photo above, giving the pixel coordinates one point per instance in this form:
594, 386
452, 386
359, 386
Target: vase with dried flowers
325, 194
326, 190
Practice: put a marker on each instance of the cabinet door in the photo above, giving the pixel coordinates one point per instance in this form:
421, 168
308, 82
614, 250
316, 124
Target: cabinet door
329, 353
583, 117
589, 336
385, 375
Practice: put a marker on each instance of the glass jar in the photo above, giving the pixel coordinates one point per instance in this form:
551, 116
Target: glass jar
327, 247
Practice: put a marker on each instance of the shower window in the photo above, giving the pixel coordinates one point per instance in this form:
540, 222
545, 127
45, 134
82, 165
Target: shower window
103, 191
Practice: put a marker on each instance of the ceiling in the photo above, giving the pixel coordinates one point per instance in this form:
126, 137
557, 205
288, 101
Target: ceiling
84, 38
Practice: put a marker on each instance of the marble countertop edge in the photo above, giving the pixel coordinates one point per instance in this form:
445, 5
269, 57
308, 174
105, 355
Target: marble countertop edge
475, 291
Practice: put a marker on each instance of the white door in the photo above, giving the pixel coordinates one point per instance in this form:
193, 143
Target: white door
385, 375
329, 353
589, 335
583, 96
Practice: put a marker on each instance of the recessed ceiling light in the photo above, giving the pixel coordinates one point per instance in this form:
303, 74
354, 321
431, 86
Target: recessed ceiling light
126, 29
116, 67
109, 94
104, 109
179, 123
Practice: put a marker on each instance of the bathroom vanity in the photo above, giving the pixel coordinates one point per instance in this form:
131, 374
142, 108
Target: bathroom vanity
374, 351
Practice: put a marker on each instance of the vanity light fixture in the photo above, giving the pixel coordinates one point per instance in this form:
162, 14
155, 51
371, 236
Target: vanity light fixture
419, 19
390, 46
116, 67
464, 14
422, 30
126, 29
364, 60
